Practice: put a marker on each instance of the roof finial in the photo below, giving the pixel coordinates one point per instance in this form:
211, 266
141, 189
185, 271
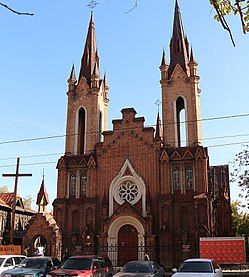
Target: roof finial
92, 4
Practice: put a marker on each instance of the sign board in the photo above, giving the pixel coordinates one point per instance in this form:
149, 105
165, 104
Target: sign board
224, 250
10, 249
185, 247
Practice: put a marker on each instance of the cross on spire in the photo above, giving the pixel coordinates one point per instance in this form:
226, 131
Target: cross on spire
92, 4
16, 175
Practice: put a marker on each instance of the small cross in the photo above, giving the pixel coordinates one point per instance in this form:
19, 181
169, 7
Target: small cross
158, 103
92, 4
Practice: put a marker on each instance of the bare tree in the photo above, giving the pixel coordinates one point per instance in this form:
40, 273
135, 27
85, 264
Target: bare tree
14, 11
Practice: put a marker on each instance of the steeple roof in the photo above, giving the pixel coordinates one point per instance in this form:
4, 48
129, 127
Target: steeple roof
90, 56
158, 133
42, 197
179, 46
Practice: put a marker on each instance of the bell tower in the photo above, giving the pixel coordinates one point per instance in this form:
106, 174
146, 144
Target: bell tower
87, 109
180, 91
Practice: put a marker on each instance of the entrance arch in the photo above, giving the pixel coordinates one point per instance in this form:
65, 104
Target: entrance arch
127, 244
116, 230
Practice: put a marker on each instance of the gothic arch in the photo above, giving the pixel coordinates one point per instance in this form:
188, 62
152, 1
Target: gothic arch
119, 179
80, 122
180, 104
112, 238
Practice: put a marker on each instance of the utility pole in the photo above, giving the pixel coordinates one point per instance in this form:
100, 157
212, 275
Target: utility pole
13, 212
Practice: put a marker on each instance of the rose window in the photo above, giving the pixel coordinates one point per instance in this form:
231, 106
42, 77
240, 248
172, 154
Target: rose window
128, 191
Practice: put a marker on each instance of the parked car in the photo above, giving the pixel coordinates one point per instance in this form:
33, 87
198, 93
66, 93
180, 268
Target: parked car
85, 266
33, 267
198, 267
141, 268
9, 261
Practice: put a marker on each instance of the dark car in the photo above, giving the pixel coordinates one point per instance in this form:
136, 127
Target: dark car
141, 268
85, 266
33, 267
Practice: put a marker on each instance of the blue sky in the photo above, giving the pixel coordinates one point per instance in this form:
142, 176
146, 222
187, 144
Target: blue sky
36, 55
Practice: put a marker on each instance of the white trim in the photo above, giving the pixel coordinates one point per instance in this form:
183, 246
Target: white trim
112, 239
113, 190
68, 183
186, 120
77, 192
76, 129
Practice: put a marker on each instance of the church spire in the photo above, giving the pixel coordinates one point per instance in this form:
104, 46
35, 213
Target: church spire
179, 52
90, 56
158, 133
42, 198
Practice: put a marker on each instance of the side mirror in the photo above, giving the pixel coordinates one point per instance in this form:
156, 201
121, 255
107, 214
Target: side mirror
217, 270
174, 270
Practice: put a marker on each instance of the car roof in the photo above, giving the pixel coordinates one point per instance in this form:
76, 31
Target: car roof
86, 257
198, 260
9, 256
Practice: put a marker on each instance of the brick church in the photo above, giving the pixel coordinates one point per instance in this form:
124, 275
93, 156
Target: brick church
134, 189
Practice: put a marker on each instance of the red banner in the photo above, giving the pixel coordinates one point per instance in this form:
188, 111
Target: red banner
10, 249
224, 250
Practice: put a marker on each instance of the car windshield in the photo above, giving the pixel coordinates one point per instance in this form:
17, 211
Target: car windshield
196, 266
137, 267
1, 261
39, 263
77, 263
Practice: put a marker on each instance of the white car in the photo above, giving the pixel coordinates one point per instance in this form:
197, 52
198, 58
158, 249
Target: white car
9, 261
198, 267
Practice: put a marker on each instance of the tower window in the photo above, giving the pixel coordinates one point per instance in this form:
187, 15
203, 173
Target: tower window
181, 122
100, 126
72, 185
176, 178
83, 184
189, 177
178, 46
81, 131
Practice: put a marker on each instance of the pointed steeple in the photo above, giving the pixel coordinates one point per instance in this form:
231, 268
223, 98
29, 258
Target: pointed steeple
163, 59
72, 74
158, 133
179, 51
90, 56
42, 198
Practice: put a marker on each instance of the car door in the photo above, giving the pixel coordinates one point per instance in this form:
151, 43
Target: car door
8, 264
96, 269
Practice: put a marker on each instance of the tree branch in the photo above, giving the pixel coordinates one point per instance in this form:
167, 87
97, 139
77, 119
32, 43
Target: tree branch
14, 11
135, 5
222, 20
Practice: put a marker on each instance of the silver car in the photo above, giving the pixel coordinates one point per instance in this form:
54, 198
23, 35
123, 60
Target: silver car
198, 267
141, 268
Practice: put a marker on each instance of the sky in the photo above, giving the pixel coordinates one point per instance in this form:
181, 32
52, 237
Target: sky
37, 53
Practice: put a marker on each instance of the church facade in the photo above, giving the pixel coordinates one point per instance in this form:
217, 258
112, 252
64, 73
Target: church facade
134, 189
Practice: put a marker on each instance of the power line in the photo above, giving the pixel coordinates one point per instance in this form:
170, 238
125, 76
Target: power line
61, 153
136, 154
93, 132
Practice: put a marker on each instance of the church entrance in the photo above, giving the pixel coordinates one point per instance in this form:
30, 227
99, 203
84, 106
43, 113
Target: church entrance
127, 244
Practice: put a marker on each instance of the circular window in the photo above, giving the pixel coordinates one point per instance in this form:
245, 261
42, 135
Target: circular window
128, 191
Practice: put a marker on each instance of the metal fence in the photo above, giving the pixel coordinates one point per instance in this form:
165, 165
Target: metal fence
167, 255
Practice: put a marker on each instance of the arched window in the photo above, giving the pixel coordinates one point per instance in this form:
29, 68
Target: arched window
83, 183
181, 122
176, 178
72, 185
75, 221
81, 131
189, 178
100, 126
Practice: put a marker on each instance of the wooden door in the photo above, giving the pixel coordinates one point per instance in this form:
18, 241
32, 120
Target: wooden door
127, 244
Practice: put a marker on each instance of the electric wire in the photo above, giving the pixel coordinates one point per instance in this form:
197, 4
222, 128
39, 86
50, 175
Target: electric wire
94, 132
